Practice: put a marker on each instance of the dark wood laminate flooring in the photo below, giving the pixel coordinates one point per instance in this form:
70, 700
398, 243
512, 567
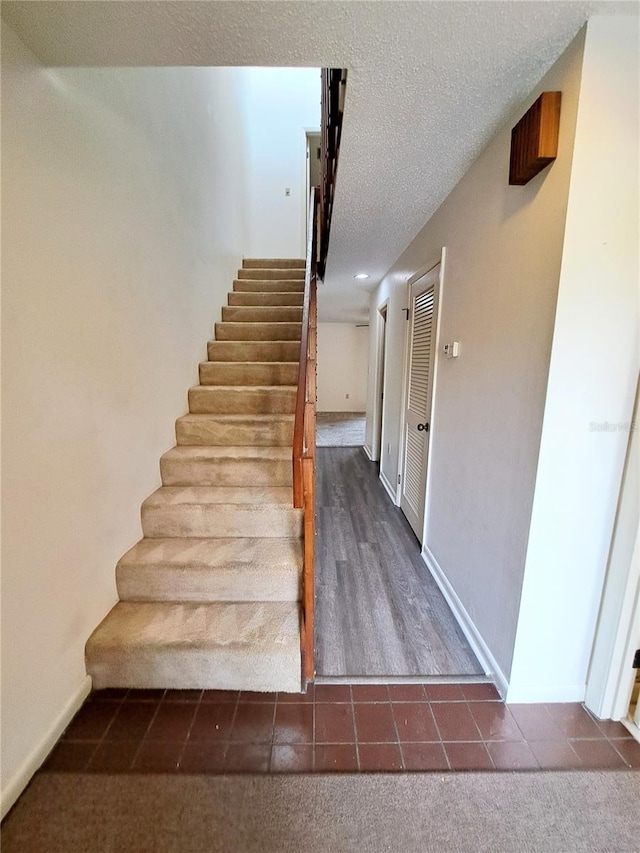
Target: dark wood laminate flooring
378, 610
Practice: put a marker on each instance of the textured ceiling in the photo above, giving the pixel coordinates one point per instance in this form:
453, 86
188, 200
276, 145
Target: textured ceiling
429, 84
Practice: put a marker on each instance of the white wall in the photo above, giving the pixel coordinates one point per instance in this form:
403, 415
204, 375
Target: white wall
278, 105
592, 377
122, 227
342, 367
504, 249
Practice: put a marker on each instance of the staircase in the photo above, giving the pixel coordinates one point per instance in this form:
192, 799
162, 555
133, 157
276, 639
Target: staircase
210, 597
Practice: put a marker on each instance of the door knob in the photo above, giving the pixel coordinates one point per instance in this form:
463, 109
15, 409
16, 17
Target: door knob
423, 427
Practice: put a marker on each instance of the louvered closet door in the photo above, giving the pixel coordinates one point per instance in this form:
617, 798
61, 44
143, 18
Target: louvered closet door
419, 392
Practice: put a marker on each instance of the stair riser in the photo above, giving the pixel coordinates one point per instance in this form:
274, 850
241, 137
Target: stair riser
273, 263
258, 331
272, 274
209, 400
192, 669
279, 434
188, 583
270, 299
261, 314
220, 520
226, 472
271, 286
253, 351
212, 373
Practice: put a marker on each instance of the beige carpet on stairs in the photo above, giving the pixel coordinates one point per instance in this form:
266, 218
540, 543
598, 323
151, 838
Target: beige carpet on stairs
210, 597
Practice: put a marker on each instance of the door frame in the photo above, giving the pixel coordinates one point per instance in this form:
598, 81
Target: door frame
306, 132
380, 342
405, 380
610, 677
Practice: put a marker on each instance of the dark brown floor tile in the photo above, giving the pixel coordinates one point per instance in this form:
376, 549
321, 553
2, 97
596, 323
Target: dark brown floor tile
158, 756
614, 729
247, 758
292, 758
495, 721
573, 721
332, 693
454, 721
555, 754
509, 755
218, 696
145, 695
182, 696
256, 696
297, 698
335, 758
212, 722
598, 755
370, 692
480, 693
114, 756
536, 723
132, 721
172, 721
203, 757
108, 694
444, 692
629, 750
424, 756
374, 722
407, 693
414, 721
468, 756
91, 721
294, 724
70, 756
253, 723
334, 723
380, 757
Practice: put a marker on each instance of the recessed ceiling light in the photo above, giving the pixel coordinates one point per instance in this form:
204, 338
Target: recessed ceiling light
361, 275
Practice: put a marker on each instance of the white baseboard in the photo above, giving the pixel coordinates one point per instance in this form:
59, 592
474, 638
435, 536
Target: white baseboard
385, 482
477, 643
536, 693
19, 781
368, 452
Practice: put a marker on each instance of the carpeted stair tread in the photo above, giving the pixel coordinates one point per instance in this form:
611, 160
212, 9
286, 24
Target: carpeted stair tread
221, 512
271, 274
265, 298
226, 466
219, 645
253, 351
261, 314
268, 285
249, 373
242, 399
273, 263
272, 331
223, 429
238, 569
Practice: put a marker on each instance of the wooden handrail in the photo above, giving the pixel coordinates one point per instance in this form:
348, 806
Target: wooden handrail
304, 429
304, 438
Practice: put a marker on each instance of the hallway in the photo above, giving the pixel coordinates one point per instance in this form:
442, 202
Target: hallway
378, 611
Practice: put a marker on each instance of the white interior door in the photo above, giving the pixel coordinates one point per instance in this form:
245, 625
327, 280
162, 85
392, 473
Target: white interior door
418, 396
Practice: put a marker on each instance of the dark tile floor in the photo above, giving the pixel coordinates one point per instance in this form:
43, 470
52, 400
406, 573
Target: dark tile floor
334, 728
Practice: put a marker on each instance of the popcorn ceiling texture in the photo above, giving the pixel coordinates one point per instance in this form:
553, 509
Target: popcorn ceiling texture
429, 84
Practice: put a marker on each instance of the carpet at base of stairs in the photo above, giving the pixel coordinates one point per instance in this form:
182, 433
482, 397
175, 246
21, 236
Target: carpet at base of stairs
223, 646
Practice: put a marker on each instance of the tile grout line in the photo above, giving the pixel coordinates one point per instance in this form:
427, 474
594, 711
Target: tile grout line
188, 734
146, 732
